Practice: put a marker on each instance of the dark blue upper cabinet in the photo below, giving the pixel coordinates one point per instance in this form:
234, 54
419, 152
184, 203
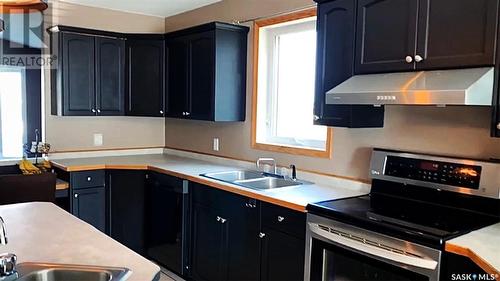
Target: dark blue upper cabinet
406, 35
385, 35
78, 92
456, 33
206, 72
335, 64
145, 76
89, 77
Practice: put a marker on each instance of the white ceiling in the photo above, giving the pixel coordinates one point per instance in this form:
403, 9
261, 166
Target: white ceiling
160, 8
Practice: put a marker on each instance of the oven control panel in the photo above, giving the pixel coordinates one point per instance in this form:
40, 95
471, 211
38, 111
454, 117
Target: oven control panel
453, 174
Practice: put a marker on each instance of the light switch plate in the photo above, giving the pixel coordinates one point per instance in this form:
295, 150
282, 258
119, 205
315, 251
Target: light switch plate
216, 144
98, 140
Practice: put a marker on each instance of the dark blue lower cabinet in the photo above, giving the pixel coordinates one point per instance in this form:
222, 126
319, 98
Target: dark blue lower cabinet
89, 205
229, 240
225, 242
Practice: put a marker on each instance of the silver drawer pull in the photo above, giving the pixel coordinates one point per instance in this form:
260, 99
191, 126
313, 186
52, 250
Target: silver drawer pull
280, 218
76, 195
89, 179
262, 235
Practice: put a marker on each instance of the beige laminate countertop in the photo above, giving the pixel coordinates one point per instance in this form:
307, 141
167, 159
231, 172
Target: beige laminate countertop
45, 233
296, 197
482, 246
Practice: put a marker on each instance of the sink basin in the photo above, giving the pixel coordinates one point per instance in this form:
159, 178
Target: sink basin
268, 183
233, 176
253, 179
55, 272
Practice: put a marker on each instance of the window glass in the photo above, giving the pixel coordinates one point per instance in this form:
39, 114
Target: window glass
286, 79
12, 112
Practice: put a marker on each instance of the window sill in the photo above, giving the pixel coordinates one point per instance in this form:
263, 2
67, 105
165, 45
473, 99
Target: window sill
295, 150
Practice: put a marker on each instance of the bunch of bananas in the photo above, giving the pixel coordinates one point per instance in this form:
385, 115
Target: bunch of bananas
44, 166
27, 168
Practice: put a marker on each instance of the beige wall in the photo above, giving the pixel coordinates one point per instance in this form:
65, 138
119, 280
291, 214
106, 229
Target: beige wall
76, 133
453, 130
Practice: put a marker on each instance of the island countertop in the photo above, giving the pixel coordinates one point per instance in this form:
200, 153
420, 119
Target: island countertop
295, 197
43, 232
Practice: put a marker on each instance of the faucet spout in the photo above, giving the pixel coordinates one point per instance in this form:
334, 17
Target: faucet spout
269, 161
3, 232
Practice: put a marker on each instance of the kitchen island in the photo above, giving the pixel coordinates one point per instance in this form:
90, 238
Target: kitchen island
42, 232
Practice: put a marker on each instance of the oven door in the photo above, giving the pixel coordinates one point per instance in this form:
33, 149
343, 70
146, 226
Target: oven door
337, 251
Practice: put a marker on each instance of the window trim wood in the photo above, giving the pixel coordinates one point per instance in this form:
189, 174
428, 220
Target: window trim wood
271, 147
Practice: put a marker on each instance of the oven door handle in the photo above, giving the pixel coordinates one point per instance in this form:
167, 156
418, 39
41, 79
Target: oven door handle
374, 250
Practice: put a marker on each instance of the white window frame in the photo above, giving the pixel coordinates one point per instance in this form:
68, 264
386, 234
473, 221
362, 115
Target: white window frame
266, 76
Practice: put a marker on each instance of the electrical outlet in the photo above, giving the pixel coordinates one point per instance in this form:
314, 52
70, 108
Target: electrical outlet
216, 144
98, 140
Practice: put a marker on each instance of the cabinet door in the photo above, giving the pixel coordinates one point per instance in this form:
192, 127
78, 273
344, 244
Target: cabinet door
209, 244
78, 75
145, 93
385, 35
110, 76
243, 219
201, 76
335, 60
177, 77
126, 205
282, 256
90, 205
457, 33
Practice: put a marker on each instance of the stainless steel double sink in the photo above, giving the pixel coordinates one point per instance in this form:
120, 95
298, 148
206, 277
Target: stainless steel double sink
254, 179
55, 272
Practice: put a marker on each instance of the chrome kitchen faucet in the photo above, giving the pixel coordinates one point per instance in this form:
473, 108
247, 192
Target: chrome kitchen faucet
7, 261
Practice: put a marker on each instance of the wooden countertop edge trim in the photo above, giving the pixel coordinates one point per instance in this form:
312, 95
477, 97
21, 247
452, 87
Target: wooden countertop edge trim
459, 250
199, 180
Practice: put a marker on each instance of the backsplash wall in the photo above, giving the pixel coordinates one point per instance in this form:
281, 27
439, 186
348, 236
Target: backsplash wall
76, 133
459, 131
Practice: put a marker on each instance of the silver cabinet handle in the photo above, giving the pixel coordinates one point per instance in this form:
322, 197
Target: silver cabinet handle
98, 111
498, 126
409, 59
161, 111
76, 195
184, 114
262, 235
93, 110
280, 218
221, 220
89, 178
316, 117
418, 58
187, 113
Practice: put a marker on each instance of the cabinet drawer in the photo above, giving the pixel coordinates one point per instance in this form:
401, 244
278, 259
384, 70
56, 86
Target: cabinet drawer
87, 179
216, 198
283, 219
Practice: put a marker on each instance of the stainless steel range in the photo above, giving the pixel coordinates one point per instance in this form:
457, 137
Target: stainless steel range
398, 231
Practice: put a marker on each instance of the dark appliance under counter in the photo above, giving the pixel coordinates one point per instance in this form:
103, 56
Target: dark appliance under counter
167, 216
398, 231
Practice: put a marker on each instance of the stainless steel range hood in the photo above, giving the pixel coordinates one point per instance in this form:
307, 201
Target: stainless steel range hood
472, 86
